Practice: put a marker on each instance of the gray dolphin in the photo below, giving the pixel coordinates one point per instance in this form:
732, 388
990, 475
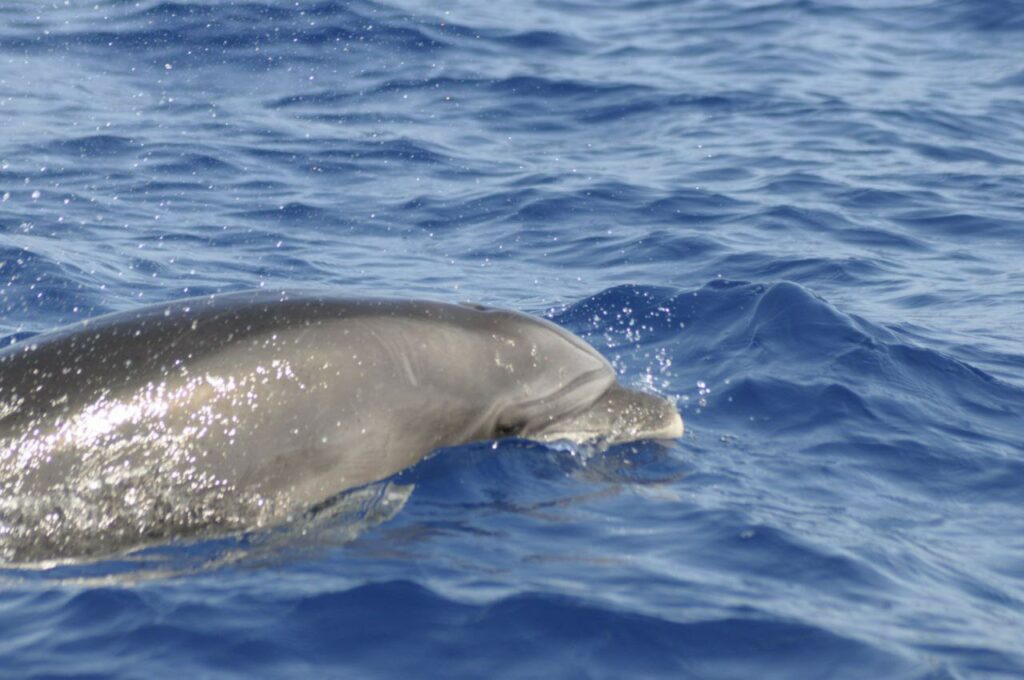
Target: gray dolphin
241, 410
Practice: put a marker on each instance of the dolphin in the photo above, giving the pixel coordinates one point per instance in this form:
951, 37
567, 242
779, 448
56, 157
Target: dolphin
236, 411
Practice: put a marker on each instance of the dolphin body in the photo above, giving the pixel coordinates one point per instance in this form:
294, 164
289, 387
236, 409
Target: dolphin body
231, 412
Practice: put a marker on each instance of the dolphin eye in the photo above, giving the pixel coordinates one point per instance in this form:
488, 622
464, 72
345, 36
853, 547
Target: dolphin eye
503, 430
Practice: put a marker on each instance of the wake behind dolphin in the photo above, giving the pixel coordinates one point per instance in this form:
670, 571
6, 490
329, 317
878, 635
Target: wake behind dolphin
232, 412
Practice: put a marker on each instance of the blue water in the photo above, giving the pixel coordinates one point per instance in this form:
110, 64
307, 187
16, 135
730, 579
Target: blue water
804, 220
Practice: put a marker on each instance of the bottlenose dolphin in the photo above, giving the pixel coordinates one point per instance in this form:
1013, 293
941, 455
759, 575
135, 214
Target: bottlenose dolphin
235, 411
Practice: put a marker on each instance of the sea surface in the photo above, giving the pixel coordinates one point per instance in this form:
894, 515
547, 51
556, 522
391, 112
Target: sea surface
803, 220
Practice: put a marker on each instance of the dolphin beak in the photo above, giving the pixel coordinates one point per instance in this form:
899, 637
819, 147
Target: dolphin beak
646, 416
673, 428
619, 415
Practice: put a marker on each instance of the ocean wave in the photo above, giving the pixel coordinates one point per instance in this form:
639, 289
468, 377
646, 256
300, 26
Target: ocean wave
800, 219
346, 629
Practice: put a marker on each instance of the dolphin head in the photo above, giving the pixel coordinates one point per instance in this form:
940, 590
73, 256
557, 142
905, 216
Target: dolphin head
561, 389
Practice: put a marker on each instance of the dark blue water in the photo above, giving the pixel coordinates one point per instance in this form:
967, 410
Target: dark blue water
804, 220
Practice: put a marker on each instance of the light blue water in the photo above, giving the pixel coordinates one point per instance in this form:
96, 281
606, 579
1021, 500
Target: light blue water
805, 220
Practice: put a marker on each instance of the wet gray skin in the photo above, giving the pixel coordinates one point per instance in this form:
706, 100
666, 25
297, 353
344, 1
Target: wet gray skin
236, 411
